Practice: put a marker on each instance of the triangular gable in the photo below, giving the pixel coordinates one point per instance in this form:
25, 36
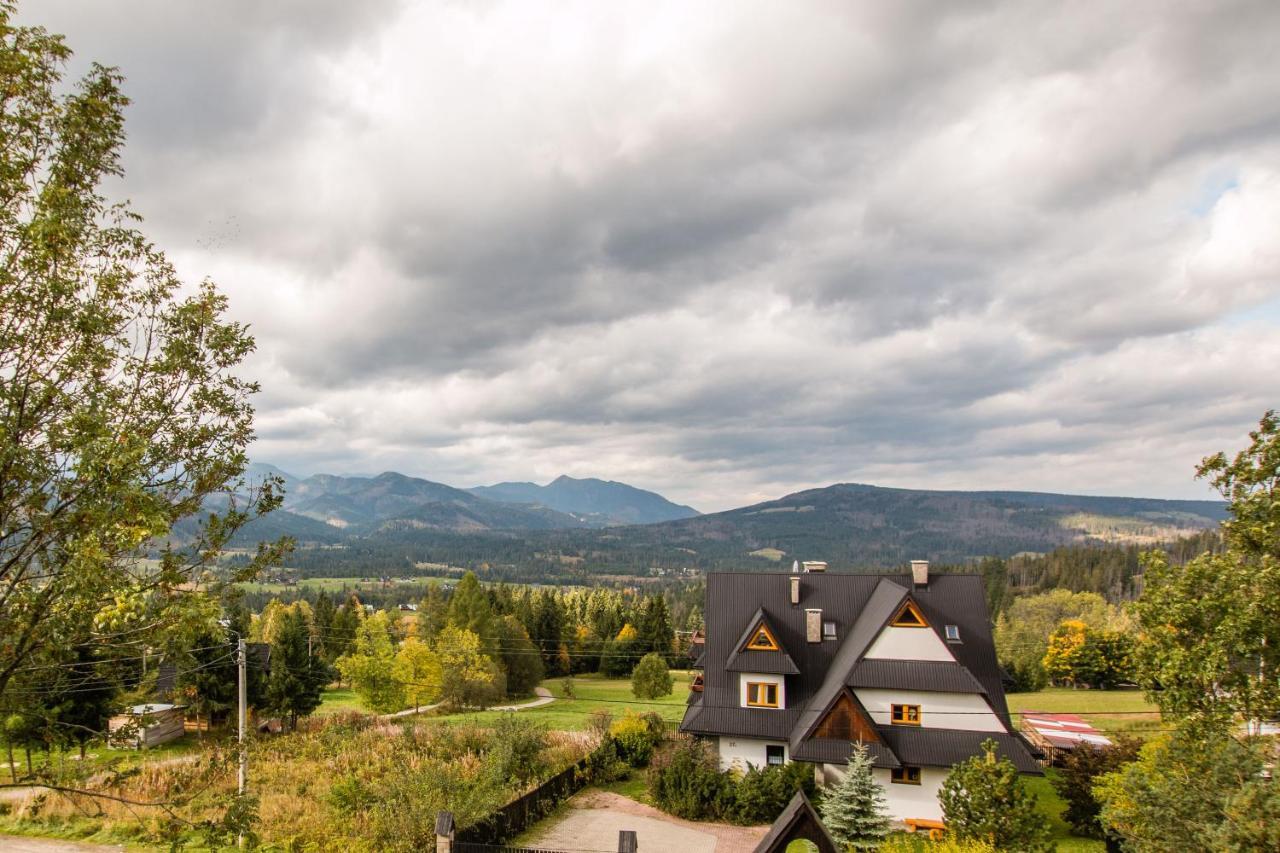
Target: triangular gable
909, 642
909, 616
770, 657
846, 719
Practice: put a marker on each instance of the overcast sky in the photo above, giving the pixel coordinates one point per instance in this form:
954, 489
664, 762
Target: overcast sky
724, 250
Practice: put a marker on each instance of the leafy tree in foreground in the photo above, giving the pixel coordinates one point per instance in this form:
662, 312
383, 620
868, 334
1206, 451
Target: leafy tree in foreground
123, 424
854, 809
1210, 644
983, 799
651, 679
1188, 793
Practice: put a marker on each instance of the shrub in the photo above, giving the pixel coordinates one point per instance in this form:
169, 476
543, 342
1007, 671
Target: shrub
762, 793
517, 751
983, 799
685, 780
636, 736
651, 678
604, 764
1074, 782
599, 722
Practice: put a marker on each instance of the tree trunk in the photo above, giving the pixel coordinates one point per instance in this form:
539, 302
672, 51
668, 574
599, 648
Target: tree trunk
31, 771
13, 768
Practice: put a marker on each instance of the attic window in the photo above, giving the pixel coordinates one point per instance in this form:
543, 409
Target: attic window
909, 616
905, 715
762, 641
953, 633
828, 630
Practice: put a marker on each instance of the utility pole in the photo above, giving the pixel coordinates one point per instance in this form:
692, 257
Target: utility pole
242, 776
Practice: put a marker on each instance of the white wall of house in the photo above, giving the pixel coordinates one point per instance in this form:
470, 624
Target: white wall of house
760, 677
909, 644
737, 752
902, 801
937, 710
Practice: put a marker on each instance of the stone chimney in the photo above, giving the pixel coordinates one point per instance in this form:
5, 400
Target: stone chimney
920, 572
812, 566
795, 589
813, 625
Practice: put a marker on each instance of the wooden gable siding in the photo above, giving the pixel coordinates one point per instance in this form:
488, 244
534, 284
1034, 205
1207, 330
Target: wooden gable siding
845, 721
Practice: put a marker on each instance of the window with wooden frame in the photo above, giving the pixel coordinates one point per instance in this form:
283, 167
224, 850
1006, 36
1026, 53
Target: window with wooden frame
909, 616
762, 641
905, 715
905, 775
762, 694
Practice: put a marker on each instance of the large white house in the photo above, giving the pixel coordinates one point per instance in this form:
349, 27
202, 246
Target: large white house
798, 667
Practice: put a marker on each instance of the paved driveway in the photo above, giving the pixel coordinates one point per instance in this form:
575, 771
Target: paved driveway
594, 819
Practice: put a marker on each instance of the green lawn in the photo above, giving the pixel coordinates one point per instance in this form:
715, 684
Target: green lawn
1110, 711
331, 585
1051, 806
336, 700
591, 691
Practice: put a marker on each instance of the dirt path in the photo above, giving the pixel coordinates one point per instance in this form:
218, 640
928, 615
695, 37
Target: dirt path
544, 698
594, 818
18, 844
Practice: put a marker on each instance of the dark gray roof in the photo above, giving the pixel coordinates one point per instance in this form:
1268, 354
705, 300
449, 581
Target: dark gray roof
929, 747
700, 662
768, 723
925, 675
828, 751
753, 660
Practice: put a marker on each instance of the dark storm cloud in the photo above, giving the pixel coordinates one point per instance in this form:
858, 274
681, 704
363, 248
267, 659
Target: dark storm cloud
724, 251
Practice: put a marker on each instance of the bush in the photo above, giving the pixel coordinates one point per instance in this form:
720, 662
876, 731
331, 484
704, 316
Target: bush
651, 678
1074, 782
636, 736
604, 764
685, 781
517, 751
919, 843
762, 793
983, 799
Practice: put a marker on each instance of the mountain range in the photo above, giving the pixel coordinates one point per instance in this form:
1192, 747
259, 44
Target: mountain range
365, 505
596, 526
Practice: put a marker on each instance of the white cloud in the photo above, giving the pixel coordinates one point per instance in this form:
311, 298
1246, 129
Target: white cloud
724, 250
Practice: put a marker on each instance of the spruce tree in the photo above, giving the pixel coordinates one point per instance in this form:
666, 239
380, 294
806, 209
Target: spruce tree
854, 810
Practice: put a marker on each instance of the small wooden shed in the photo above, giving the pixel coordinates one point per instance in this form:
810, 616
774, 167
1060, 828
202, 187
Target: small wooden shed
147, 725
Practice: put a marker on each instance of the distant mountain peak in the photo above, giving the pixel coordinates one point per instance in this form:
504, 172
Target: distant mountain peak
606, 501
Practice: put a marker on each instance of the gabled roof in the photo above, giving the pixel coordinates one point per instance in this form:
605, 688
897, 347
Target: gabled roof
924, 675
798, 820
921, 746
744, 659
882, 604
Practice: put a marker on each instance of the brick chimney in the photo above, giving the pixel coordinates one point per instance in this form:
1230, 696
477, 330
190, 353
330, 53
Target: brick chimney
795, 589
920, 572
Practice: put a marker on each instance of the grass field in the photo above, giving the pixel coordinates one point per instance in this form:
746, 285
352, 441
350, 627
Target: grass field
336, 700
332, 585
592, 692
1110, 711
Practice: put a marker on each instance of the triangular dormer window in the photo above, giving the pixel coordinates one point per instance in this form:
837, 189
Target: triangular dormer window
762, 641
909, 616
